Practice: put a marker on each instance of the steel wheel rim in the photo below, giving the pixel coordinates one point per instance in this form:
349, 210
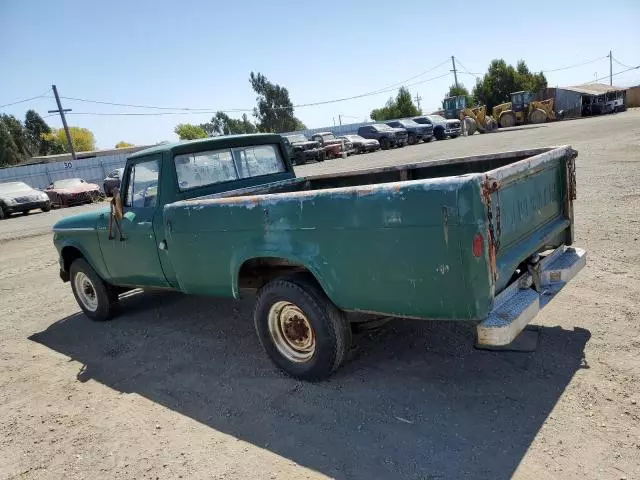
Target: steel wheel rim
291, 332
86, 291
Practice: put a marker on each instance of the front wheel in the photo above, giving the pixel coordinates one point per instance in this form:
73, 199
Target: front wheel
384, 143
46, 208
2, 214
95, 297
412, 139
25, 213
301, 330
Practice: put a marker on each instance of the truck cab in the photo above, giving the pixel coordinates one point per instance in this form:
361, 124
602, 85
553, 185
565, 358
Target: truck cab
132, 252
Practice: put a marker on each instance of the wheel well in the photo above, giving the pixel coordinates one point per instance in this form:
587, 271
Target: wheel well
256, 272
69, 254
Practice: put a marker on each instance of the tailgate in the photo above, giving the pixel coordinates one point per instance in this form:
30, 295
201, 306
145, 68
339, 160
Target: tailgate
529, 208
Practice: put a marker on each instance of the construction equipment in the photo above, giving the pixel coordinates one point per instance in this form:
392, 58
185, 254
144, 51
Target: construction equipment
523, 109
473, 118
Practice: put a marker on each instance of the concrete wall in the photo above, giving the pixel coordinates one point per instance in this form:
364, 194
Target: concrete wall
41, 175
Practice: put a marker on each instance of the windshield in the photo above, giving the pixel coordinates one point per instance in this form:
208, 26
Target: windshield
328, 136
13, 187
296, 138
69, 182
436, 118
409, 123
383, 127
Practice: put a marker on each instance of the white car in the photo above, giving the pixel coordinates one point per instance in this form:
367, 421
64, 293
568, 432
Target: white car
20, 197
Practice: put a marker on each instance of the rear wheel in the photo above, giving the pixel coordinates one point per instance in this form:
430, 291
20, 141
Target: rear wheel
2, 214
94, 296
46, 208
301, 330
412, 139
25, 213
439, 134
384, 143
507, 119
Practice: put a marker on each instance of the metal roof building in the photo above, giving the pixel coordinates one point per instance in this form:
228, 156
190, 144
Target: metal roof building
576, 101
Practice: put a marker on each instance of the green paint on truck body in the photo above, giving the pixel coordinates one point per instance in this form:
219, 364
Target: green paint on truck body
396, 241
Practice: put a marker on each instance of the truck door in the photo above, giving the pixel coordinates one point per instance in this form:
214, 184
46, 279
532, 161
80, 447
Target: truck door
132, 256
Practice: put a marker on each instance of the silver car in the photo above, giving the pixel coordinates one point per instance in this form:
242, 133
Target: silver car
19, 197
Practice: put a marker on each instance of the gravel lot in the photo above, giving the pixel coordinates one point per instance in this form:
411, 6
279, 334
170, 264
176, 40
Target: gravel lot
178, 387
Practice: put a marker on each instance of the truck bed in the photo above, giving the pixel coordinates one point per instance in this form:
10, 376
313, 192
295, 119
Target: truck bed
394, 240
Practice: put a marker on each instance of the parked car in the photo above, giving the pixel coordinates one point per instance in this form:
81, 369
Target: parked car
304, 243
415, 131
361, 144
302, 150
442, 128
333, 145
386, 135
72, 191
112, 181
20, 197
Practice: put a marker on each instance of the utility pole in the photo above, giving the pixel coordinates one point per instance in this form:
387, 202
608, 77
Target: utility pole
417, 98
610, 68
62, 111
455, 73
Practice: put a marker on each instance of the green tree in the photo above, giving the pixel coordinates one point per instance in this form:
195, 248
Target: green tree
187, 131
123, 144
461, 90
502, 79
18, 134
9, 154
82, 139
274, 112
399, 107
36, 128
221, 123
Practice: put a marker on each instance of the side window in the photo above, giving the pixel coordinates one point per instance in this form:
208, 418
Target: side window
142, 190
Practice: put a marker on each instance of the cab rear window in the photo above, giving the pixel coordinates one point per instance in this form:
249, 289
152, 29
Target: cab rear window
201, 169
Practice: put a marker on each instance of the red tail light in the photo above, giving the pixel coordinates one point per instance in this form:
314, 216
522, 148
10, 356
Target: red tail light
477, 245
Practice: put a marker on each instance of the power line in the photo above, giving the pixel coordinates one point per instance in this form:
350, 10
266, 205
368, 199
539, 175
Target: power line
613, 75
191, 112
620, 63
42, 95
187, 110
575, 65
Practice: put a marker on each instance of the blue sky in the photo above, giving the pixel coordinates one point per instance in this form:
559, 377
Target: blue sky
199, 54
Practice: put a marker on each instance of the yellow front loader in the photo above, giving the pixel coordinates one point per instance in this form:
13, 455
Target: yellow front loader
474, 119
523, 109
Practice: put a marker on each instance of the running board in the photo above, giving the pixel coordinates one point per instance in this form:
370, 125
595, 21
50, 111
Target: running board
519, 303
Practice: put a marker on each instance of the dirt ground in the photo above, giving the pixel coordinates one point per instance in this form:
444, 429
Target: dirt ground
178, 387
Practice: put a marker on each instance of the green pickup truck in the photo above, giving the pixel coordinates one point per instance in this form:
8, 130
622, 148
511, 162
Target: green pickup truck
483, 239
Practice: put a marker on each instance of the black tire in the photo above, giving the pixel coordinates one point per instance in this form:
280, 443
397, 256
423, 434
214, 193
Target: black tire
329, 325
46, 208
453, 136
384, 143
412, 139
25, 213
105, 295
2, 214
439, 134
